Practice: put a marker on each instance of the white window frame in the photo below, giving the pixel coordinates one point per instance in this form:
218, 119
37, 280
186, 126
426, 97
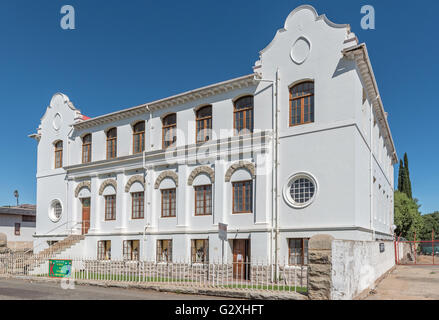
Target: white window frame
287, 194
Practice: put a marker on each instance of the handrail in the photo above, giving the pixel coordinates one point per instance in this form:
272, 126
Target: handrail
69, 231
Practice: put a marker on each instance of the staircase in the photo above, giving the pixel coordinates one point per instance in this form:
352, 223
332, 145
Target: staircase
36, 260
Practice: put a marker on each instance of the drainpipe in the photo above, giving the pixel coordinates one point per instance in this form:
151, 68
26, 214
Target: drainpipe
276, 172
274, 178
67, 180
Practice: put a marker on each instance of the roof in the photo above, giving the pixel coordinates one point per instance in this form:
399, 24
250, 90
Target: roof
203, 92
23, 210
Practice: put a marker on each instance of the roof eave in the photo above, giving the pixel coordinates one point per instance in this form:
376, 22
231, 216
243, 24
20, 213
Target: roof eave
358, 53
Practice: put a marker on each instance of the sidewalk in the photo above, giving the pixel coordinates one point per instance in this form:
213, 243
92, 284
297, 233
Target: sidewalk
415, 282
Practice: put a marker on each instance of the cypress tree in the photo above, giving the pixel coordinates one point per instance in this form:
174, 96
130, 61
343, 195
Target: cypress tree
407, 182
401, 176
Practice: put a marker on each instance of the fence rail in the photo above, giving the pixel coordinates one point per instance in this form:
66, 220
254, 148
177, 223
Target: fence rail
254, 275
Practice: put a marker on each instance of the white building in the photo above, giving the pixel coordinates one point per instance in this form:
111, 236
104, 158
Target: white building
147, 188
17, 224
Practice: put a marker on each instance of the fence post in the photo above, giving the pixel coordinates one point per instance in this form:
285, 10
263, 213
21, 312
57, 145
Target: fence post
320, 267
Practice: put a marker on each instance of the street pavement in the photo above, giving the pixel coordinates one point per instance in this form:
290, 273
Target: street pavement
16, 289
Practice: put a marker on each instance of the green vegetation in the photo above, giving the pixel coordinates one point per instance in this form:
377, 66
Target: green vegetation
408, 219
404, 183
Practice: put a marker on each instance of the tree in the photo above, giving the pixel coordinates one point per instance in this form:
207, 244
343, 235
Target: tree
408, 219
401, 176
404, 183
407, 182
430, 223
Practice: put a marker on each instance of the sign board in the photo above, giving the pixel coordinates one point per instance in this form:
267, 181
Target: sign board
222, 231
382, 247
60, 268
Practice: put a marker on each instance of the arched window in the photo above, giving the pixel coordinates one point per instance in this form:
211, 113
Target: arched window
112, 143
86, 148
169, 130
204, 124
58, 154
302, 103
139, 137
243, 115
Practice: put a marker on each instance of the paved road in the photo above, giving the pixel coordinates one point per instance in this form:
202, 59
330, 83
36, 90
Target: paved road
409, 283
26, 290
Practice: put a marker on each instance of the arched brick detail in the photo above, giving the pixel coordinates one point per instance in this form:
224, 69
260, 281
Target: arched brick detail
203, 169
133, 179
106, 183
84, 184
240, 165
166, 174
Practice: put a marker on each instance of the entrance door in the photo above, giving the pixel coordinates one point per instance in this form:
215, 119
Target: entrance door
85, 215
241, 259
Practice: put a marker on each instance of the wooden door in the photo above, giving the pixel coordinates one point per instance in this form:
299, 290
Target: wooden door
241, 259
85, 215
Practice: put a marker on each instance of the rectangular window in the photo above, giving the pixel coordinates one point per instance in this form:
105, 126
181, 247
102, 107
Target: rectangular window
110, 207
200, 251
243, 115
17, 229
138, 201
111, 148
302, 104
298, 251
243, 197
164, 250
131, 250
168, 203
86, 153
29, 218
203, 200
104, 250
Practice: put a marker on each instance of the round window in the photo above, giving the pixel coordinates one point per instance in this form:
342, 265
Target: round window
55, 211
300, 190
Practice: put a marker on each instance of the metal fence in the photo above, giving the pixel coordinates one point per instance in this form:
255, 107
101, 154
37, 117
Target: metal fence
417, 252
255, 275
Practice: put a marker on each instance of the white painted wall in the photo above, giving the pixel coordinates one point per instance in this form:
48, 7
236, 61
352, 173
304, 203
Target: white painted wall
356, 265
335, 150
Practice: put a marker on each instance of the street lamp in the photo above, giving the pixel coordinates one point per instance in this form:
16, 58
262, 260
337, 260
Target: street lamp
16, 195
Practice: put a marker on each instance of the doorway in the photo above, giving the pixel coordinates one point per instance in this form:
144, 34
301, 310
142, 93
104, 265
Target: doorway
85, 215
241, 259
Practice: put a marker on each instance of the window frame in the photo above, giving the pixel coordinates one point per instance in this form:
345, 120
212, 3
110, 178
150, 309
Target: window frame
59, 154
304, 255
159, 250
17, 229
302, 98
103, 250
206, 122
171, 128
245, 112
194, 251
86, 146
112, 140
113, 207
130, 256
244, 202
140, 135
287, 190
141, 205
174, 200
204, 200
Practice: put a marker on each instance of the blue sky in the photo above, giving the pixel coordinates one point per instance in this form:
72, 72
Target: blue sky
124, 53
